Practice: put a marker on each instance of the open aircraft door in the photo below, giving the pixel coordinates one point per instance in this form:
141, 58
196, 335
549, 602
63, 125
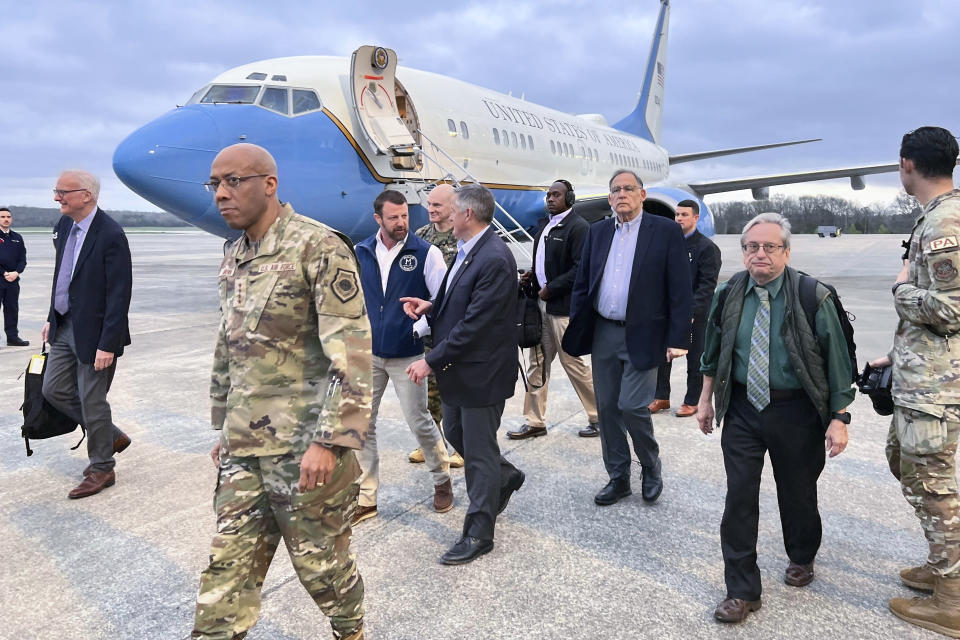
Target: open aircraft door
374, 92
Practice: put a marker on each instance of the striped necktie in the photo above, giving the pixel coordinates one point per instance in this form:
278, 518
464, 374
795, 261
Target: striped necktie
758, 368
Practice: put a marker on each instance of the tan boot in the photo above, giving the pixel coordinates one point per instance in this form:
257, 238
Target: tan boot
356, 635
940, 612
921, 578
456, 460
416, 456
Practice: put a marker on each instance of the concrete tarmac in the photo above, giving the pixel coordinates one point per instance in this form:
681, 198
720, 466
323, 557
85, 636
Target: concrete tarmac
125, 563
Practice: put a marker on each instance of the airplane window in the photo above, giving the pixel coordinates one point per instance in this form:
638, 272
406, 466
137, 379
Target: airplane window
304, 100
234, 94
583, 152
553, 147
451, 127
523, 141
275, 100
496, 136
464, 131
513, 137
195, 98
257, 76
530, 140
279, 78
505, 136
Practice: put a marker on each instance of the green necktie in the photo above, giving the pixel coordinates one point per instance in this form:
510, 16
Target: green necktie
758, 369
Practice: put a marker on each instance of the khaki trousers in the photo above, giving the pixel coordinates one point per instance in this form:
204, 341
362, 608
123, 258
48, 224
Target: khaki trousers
538, 371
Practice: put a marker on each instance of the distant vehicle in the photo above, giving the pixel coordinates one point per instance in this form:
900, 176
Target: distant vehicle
342, 130
827, 230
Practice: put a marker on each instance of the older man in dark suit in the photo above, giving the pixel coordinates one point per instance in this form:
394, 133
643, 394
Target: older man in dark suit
87, 323
475, 360
631, 305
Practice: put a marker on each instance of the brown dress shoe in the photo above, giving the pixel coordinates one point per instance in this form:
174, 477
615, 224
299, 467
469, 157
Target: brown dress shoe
685, 411
94, 482
658, 405
526, 431
121, 443
798, 575
735, 609
443, 497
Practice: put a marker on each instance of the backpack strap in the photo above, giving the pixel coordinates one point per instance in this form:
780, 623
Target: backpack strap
811, 298
722, 296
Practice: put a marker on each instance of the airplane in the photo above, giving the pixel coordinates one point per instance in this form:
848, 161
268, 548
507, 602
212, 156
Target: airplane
344, 130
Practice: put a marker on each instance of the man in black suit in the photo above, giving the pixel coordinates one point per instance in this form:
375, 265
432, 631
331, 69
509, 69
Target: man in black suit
474, 357
704, 270
87, 323
631, 305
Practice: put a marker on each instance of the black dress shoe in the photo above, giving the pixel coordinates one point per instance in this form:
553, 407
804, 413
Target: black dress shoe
513, 484
613, 492
592, 430
651, 485
466, 550
18, 342
526, 431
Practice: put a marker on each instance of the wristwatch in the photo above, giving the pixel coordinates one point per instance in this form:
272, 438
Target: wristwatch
842, 417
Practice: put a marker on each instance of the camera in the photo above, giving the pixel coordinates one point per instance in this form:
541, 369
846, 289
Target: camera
876, 382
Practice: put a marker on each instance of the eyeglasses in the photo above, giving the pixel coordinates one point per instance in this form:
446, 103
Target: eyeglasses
627, 189
230, 182
62, 192
769, 248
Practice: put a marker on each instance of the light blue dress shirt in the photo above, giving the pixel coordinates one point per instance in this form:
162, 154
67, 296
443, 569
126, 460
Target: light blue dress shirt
615, 285
463, 249
82, 228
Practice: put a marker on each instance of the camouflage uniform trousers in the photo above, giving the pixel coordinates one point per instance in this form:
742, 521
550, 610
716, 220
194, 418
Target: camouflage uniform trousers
921, 451
433, 395
257, 503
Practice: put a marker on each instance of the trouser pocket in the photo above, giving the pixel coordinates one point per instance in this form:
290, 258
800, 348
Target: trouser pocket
919, 432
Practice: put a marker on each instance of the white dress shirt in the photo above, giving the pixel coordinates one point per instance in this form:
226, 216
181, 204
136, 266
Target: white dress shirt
615, 284
433, 270
463, 249
539, 259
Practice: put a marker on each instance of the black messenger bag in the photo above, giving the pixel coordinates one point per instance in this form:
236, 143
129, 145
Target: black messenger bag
40, 418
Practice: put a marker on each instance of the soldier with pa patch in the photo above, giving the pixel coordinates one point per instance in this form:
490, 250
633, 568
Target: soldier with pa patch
922, 442
290, 394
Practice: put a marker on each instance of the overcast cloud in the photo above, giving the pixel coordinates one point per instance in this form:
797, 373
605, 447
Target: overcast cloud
79, 76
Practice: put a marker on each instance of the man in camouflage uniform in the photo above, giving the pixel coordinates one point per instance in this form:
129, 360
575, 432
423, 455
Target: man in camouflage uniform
290, 394
439, 233
922, 443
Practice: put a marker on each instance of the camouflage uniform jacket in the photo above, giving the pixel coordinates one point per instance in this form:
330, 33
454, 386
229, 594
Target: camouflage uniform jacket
443, 240
293, 356
926, 365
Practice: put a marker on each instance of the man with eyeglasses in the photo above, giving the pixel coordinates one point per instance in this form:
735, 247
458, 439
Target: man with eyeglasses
630, 309
87, 325
290, 395
780, 386
13, 260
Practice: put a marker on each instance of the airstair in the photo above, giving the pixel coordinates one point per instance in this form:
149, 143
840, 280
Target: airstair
388, 120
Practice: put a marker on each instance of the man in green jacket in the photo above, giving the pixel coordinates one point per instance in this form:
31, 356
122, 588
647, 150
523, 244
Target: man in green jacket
778, 383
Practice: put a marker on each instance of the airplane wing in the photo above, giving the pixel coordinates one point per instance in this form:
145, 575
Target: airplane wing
703, 155
758, 183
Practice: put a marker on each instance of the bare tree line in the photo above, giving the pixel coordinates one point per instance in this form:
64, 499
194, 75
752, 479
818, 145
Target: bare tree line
806, 213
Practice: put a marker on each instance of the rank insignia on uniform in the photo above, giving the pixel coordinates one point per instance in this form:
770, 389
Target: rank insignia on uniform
345, 285
408, 263
944, 271
944, 243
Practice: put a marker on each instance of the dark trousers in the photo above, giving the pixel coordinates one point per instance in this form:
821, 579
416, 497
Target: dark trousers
10, 299
623, 394
694, 377
473, 433
790, 429
81, 393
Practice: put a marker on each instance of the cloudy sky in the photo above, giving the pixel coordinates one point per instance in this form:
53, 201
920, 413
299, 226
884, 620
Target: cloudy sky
80, 75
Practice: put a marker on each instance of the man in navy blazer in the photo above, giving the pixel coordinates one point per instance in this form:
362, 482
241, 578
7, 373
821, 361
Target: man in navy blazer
87, 324
474, 357
630, 308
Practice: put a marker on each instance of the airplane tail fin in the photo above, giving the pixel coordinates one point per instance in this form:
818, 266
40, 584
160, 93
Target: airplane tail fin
645, 121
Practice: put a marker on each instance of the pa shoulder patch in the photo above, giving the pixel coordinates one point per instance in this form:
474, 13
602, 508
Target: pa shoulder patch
945, 243
344, 285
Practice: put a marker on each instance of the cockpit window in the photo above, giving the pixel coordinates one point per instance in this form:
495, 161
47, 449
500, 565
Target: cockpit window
304, 101
233, 94
257, 76
275, 99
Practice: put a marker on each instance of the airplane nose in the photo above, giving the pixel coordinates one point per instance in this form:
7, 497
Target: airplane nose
168, 160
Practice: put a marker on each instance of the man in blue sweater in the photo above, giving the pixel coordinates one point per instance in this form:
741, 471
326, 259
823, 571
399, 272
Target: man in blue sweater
393, 264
